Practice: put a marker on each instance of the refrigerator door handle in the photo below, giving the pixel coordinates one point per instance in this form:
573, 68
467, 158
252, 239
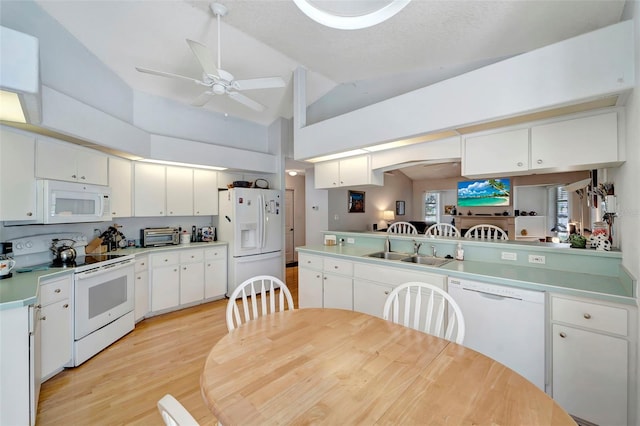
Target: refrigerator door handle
261, 221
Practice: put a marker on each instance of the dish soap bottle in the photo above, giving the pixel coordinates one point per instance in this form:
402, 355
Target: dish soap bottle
459, 252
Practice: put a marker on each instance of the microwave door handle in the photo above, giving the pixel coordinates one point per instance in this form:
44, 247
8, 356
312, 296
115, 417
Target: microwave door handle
101, 212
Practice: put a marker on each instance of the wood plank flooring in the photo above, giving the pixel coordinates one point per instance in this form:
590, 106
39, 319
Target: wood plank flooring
122, 384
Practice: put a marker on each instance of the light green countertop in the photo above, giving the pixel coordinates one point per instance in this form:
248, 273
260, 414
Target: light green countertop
22, 288
603, 287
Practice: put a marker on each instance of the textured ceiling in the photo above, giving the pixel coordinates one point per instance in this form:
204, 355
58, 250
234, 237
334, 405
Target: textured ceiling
427, 41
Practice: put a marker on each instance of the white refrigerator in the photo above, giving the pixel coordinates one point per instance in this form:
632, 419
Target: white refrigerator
250, 220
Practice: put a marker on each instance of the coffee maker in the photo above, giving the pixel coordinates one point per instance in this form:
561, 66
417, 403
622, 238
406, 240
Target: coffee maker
6, 260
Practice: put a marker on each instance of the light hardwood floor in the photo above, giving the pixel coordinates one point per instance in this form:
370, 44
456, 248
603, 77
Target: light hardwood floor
122, 384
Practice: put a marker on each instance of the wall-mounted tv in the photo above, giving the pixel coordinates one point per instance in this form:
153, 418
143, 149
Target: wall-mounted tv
484, 193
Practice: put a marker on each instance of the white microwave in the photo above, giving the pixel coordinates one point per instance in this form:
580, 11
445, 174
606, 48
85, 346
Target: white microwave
70, 202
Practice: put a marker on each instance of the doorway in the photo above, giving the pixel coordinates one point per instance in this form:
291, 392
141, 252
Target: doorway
289, 227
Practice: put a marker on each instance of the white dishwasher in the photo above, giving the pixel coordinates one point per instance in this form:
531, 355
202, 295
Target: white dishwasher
504, 323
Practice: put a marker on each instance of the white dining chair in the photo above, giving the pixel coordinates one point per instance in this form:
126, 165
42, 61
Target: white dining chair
485, 232
173, 413
402, 228
426, 308
270, 300
442, 230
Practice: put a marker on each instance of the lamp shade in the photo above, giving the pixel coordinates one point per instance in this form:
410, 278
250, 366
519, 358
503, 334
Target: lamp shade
388, 215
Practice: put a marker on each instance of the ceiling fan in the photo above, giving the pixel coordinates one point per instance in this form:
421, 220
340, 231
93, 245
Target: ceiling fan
217, 80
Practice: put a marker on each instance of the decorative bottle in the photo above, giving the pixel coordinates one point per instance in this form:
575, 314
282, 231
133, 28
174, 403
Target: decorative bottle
459, 252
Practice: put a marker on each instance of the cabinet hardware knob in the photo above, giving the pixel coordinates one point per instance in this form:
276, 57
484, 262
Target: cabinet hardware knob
82, 177
386, 292
38, 306
43, 318
66, 305
519, 164
57, 290
325, 278
166, 260
74, 176
317, 276
171, 212
563, 334
587, 316
539, 161
208, 265
175, 270
29, 214
335, 266
113, 213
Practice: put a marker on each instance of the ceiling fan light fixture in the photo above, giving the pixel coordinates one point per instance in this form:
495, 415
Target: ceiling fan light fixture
357, 22
218, 89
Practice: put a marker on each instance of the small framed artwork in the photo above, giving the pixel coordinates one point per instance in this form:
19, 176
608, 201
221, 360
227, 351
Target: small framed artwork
400, 208
356, 202
449, 209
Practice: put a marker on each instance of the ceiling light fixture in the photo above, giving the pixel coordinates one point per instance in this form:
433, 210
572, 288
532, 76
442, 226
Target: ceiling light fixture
293, 173
356, 22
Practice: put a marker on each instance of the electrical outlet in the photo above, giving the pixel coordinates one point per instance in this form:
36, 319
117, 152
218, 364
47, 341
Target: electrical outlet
536, 258
351, 241
336, 217
509, 256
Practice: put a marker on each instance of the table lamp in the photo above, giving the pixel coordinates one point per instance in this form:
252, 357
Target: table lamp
388, 216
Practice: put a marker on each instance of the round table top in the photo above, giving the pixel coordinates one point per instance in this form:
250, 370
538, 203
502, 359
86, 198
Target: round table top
336, 367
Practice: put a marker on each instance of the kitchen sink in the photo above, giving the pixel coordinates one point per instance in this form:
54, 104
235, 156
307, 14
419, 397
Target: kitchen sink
388, 255
426, 260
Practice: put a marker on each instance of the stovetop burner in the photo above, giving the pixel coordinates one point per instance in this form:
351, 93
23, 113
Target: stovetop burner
85, 260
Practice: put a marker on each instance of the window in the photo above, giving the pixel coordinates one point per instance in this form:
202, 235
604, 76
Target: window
432, 207
561, 213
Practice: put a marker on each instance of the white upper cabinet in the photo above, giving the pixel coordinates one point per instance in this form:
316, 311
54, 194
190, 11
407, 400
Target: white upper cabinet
17, 177
577, 144
497, 153
589, 141
149, 190
353, 171
120, 182
205, 192
63, 161
179, 191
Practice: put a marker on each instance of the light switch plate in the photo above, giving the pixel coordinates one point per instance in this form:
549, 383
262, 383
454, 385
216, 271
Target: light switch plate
509, 256
536, 258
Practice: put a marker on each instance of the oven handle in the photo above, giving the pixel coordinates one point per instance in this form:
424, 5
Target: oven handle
99, 270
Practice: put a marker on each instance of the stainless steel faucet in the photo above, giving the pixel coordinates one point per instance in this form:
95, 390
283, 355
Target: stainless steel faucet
387, 245
433, 251
416, 247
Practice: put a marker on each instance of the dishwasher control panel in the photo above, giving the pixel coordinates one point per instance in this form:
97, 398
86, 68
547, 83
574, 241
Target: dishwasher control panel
498, 290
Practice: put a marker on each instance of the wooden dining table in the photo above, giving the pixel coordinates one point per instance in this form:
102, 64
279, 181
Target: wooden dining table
339, 367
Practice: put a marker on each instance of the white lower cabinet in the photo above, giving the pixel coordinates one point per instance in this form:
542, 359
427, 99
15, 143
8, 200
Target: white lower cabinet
369, 297
191, 276
309, 285
187, 276
56, 317
592, 355
141, 290
215, 272
324, 282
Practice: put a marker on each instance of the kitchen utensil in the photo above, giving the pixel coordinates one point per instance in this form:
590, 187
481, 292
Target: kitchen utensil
241, 184
64, 252
93, 245
261, 183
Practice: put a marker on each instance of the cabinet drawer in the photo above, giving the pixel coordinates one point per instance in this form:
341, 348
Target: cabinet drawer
394, 276
308, 261
338, 266
142, 263
188, 256
595, 316
162, 259
54, 291
215, 253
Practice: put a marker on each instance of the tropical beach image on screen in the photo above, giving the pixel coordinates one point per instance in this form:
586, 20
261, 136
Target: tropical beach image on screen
484, 193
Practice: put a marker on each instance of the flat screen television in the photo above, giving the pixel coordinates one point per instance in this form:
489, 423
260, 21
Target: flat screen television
484, 193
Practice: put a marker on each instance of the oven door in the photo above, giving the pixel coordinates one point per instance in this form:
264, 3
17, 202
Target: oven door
102, 295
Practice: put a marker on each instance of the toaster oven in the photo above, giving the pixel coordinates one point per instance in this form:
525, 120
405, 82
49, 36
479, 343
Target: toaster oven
156, 237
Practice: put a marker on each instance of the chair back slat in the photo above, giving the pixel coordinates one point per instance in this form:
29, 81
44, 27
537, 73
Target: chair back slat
442, 230
427, 308
402, 228
258, 296
486, 231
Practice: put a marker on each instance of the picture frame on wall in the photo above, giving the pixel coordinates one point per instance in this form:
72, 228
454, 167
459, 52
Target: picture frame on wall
400, 208
356, 202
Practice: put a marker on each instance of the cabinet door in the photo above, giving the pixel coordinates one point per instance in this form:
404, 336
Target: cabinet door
337, 292
56, 340
141, 290
309, 288
496, 154
205, 192
165, 287
17, 176
355, 171
120, 183
590, 375
327, 175
581, 143
92, 167
149, 190
369, 297
179, 191
56, 160
191, 282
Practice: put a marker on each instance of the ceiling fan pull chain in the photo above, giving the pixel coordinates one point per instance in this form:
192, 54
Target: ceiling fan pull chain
219, 42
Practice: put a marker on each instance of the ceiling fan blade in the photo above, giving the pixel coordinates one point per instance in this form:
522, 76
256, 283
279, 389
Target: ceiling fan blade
259, 83
202, 99
246, 101
168, 74
204, 56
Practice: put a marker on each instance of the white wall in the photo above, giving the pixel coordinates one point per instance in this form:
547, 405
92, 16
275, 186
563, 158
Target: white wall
316, 210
